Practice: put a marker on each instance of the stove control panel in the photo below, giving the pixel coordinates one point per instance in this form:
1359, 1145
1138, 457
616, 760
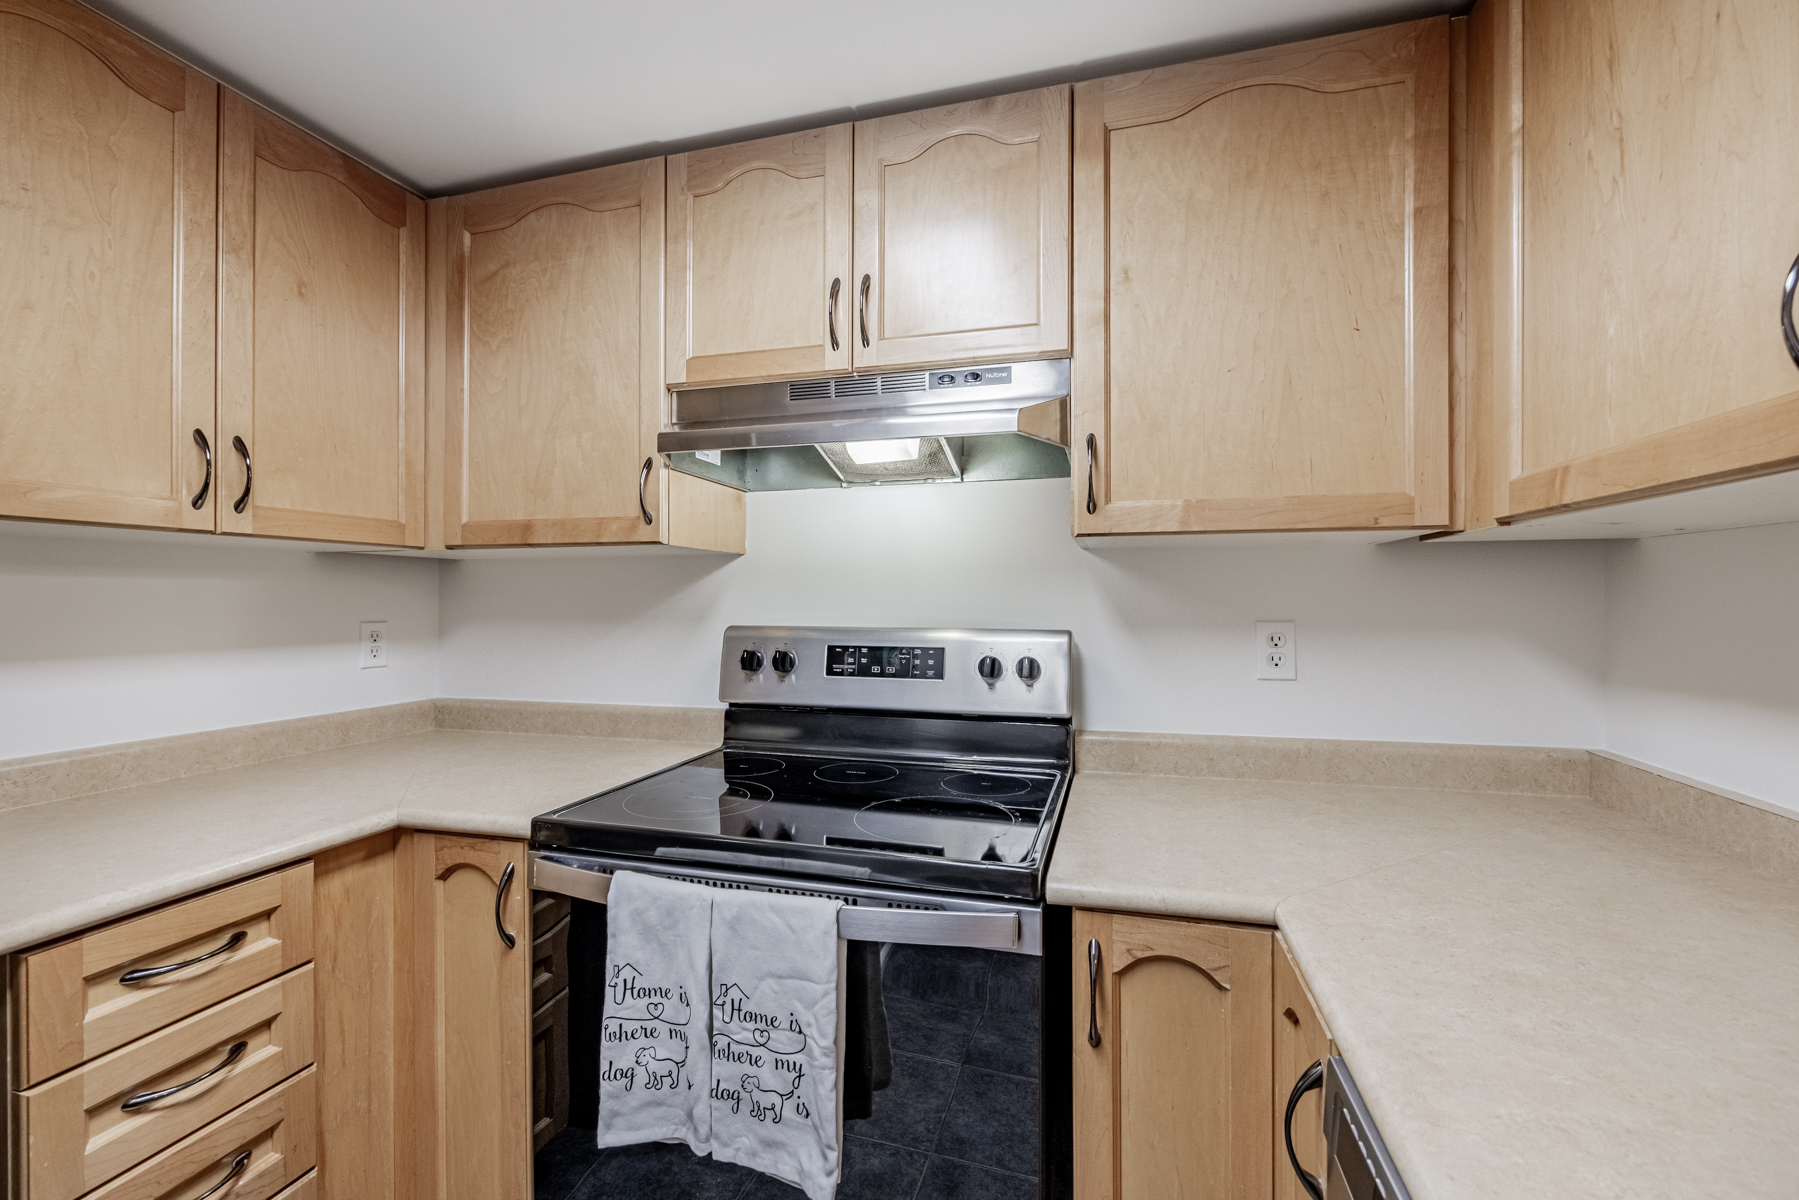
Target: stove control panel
987, 672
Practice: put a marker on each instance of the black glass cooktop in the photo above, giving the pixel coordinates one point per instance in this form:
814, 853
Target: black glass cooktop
939, 823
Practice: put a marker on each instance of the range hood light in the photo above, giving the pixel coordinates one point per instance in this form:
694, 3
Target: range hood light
889, 450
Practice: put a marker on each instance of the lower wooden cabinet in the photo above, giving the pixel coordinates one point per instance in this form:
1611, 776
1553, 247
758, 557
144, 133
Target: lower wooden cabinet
1300, 1039
465, 1131
1173, 1077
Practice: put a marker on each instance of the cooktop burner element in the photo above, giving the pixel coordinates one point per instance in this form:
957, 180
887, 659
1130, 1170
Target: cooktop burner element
962, 793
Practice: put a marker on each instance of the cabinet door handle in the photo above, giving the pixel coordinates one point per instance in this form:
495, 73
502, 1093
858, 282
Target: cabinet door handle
133, 1103
499, 904
1092, 503
643, 477
1093, 992
205, 484
1786, 312
862, 312
146, 974
831, 310
1312, 1079
237, 1168
237, 444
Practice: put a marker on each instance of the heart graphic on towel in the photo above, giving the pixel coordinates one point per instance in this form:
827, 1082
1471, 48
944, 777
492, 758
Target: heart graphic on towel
760, 1037
655, 1008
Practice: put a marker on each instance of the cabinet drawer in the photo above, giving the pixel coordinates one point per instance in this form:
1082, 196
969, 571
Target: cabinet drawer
73, 1005
306, 1189
549, 965
77, 1133
276, 1136
547, 908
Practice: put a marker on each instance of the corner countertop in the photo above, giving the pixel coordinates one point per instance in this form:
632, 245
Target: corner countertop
1537, 996
73, 863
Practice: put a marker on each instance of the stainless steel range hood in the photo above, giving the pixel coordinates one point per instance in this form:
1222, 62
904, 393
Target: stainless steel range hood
998, 421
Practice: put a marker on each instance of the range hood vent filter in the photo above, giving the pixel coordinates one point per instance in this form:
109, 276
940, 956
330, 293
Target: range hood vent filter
936, 462
856, 385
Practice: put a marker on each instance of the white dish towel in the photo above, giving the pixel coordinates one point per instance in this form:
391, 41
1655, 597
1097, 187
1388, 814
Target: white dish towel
777, 1020
655, 1075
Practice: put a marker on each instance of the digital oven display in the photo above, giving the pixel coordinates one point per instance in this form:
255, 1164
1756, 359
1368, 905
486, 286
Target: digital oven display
885, 662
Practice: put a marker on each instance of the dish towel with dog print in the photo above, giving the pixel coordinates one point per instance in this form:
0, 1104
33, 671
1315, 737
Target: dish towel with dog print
655, 1074
777, 1020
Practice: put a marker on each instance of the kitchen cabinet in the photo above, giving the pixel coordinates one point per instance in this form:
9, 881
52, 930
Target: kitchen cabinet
951, 245
550, 361
1172, 1089
107, 285
961, 233
465, 1133
759, 259
1634, 228
1300, 1039
321, 339
1261, 290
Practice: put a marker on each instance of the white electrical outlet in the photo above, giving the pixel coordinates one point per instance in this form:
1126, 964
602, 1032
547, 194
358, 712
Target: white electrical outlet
372, 648
1277, 650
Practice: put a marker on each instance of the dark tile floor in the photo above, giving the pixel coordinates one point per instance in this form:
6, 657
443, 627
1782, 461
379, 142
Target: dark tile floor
959, 1122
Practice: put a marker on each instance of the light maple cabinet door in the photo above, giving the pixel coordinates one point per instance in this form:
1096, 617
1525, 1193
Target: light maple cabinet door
552, 369
759, 281
1261, 290
321, 339
1300, 1039
1636, 222
961, 232
465, 1130
107, 274
1172, 1065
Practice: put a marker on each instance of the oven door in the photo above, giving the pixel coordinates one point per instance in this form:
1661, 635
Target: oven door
978, 1009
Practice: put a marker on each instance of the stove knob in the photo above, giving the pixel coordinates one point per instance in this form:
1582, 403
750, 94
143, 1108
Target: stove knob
991, 669
1028, 669
750, 660
784, 662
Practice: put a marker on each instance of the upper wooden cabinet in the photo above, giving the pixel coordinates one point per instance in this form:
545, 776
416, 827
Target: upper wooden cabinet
960, 245
107, 278
321, 339
1261, 283
1636, 214
552, 369
759, 259
1173, 1100
961, 232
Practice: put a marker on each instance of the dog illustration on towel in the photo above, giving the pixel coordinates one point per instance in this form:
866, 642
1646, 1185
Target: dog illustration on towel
766, 1104
659, 1069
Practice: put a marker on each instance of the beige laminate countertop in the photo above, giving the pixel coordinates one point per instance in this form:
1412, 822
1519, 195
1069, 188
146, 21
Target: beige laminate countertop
72, 863
1537, 996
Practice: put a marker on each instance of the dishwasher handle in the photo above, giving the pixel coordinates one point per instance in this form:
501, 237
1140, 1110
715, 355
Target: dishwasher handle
1311, 1080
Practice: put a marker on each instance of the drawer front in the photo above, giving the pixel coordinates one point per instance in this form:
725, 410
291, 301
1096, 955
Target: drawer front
74, 1007
306, 1189
549, 965
547, 908
275, 1137
77, 1132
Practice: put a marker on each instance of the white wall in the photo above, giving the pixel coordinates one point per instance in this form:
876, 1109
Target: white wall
1702, 658
1493, 643
112, 637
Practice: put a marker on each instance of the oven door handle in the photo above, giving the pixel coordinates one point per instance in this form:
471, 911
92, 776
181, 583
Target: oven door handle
977, 930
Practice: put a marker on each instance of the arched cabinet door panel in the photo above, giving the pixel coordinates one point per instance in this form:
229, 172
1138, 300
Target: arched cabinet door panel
107, 279
467, 1133
1261, 290
551, 368
321, 328
759, 259
1172, 1103
962, 233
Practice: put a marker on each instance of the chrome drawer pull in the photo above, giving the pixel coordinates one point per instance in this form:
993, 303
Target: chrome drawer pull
831, 310
643, 477
238, 505
206, 484
237, 1168
133, 1103
146, 974
1786, 312
499, 903
1093, 992
1311, 1079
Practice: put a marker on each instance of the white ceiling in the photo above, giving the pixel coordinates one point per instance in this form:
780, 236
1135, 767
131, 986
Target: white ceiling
444, 94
